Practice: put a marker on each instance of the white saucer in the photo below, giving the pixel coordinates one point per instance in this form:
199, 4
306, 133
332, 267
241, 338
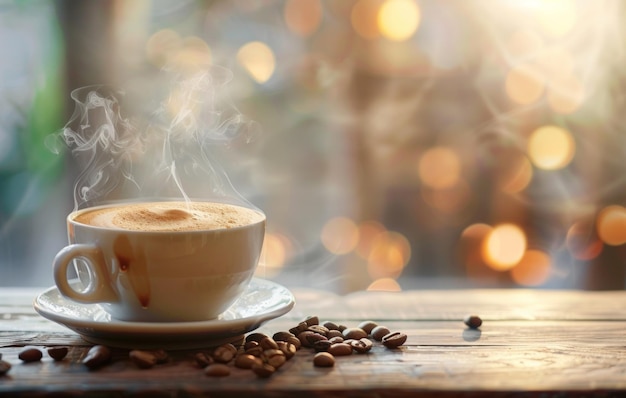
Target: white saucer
263, 300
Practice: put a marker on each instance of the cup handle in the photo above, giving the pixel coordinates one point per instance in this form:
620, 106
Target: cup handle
98, 290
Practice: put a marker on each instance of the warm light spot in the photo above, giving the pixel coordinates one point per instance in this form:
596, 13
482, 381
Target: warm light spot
471, 245
582, 240
516, 177
276, 249
566, 94
611, 225
364, 18
551, 147
384, 285
398, 19
161, 45
258, 60
533, 269
524, 85
368, 231
193, 56
389, 255
440, 168
303, 17
340, 235
504, 247
557, 17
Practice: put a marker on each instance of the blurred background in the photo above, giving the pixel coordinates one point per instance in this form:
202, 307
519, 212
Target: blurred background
401, 144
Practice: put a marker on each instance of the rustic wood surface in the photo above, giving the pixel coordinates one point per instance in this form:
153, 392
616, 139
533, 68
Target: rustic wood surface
532, 343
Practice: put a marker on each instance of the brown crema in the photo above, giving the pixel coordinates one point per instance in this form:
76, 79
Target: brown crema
169, 216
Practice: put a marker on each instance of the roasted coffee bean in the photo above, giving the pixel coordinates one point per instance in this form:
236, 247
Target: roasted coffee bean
224, 353
250, 344
274, 357
367, 326
322, 345
287, 348
255, 337
57, 353
362, 345
0, 355
161, 355
303, 337
302, 326
255, 351
473, 321
217, 370
319, 329
336, 339
340, 349
313, 337
268, 343
324, 359
379, 332
143, 359
333, 333
295, 341
393, 340
312, 320
246, 361
97, 356
282, 336
330, 325
354, 333
263, 370
202, 359
30, 355
4, 367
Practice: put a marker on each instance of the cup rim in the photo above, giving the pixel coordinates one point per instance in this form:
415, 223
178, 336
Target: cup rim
72, 215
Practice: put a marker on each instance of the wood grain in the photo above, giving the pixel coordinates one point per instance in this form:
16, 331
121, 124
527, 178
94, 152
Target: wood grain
549, 343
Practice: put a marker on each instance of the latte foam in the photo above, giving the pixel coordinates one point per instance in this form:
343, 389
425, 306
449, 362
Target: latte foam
170, 216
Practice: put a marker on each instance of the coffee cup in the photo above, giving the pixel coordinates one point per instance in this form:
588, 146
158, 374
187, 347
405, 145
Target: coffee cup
162, 261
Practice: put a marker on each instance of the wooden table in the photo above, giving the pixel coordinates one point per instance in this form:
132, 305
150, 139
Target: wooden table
532, 343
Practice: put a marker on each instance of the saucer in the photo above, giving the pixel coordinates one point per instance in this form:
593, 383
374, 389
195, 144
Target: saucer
263, 300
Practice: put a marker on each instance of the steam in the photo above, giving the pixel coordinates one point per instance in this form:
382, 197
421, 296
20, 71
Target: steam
154, 143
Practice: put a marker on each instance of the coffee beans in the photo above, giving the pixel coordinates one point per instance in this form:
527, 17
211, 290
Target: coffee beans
473, 321
97, 356
4, 367
354, 333
143, 359
324, 359
217, 370
58, 353
394, 340
30, 355
379, 332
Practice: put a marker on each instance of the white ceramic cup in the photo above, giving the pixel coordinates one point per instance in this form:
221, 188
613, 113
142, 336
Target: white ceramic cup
173, 276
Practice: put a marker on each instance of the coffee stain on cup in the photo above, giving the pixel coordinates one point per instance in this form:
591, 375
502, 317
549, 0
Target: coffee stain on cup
133, 264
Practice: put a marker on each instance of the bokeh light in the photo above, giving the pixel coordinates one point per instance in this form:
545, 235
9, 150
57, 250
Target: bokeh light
504, 247
582, 240
439, 168
524, 85
384, 285
258, 60
557, 17
340, 235
551, 147
390, 253
277, 249
368, 232
161, 46
611, 225
303, 17
398, 19
533, 269
364, 18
